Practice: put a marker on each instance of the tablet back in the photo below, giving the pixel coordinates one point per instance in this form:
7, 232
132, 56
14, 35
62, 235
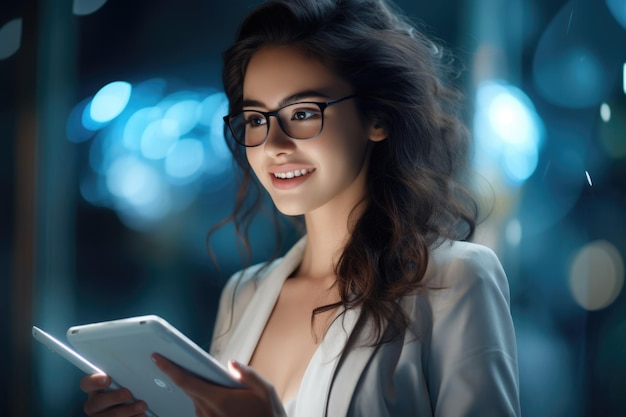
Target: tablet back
122, 349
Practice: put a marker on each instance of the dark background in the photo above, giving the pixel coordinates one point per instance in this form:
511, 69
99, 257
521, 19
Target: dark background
66, 261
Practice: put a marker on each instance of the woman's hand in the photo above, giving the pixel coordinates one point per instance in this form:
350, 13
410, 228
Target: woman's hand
259, 400
118, 403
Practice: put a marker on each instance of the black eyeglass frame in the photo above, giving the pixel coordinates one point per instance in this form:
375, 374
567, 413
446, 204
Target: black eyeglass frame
321, 104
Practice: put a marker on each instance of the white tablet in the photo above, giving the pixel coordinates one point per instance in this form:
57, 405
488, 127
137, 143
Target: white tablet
57, 346
122, 350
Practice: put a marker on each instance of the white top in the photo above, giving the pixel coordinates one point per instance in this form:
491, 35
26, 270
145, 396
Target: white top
321, 368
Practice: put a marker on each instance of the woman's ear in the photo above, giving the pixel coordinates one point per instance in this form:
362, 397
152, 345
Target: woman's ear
377, 131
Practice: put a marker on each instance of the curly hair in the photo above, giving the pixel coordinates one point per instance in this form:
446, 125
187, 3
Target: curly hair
401, 79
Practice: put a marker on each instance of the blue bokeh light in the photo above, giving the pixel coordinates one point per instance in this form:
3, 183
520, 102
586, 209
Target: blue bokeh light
158, 138
186, 113
572, 78
185, 159
153, 151
137, 124
507, 129
10, 38
110, 101
86, 7
618, 10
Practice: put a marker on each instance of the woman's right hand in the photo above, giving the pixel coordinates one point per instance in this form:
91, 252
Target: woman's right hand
101, 403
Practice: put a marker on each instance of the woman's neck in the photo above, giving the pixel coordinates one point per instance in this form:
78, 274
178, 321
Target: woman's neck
328, 231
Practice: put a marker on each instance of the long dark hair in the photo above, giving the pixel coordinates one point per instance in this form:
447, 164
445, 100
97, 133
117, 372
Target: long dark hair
415, 198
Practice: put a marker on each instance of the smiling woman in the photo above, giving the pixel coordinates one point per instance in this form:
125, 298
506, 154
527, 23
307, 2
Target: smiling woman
383, 308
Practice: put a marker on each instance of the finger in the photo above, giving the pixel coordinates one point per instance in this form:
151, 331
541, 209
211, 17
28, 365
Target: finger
136, 409
101, 401
96, 382
247, 375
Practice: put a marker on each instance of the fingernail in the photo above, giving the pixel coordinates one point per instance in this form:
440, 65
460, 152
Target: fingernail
102, 380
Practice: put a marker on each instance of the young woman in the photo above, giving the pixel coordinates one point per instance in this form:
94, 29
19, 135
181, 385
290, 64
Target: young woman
340, 111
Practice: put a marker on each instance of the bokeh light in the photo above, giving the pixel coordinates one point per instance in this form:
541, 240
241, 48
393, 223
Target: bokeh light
513, 232
575, 63
596, 275
507, 129
185, 159
10, 38
618, 10
151, 148
110, 101
86, 7
612, 132
605, 112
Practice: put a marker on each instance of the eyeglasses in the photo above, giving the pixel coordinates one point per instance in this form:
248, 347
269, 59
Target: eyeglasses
302, 120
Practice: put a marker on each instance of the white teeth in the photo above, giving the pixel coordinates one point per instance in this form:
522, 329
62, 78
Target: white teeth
292, 174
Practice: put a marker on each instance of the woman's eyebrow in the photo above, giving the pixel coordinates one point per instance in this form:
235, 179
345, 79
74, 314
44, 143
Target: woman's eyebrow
293, 98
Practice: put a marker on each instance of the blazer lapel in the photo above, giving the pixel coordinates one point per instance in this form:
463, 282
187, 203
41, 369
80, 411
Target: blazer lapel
246, 335
349, 370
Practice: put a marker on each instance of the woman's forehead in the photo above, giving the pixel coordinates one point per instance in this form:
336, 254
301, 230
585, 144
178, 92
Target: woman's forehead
276, 72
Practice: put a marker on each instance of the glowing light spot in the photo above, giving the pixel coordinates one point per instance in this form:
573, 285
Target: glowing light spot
618, 10
513, 232
110, 101
508, 129
605, 112
589, 178
10, 38
158, 138
137, 124
186, 113
596, 275
213, 108
85, 7
133, 181
612, 133
185, 159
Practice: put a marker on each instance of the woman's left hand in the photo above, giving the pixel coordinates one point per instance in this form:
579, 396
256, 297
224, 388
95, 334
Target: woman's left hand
210, 400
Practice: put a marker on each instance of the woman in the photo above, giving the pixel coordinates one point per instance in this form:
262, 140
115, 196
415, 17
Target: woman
340, 109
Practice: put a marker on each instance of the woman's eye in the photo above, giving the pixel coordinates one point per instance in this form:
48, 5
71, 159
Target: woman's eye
255, 121
305, 114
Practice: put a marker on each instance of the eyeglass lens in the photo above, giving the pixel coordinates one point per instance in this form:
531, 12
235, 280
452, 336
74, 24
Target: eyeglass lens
298, 121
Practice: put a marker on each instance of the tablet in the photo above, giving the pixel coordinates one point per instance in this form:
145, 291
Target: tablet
57, 346
122, 350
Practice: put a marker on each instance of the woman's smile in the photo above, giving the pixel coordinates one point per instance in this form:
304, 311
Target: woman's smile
286, 180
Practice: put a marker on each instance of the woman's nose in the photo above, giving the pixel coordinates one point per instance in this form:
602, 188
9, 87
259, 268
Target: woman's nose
277, 141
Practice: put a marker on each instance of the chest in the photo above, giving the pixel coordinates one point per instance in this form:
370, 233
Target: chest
290, 337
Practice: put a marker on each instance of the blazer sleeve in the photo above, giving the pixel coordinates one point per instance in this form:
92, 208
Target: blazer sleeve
473, 355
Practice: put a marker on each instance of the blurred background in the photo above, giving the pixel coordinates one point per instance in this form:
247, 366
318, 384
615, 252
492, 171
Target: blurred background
113, 169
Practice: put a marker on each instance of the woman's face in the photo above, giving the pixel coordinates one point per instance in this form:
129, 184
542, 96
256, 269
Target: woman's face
327, 171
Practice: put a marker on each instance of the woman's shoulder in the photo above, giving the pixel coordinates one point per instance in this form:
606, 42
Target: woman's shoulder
456, 263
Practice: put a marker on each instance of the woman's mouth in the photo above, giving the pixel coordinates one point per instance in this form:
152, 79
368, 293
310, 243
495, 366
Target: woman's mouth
287, 180
293, 174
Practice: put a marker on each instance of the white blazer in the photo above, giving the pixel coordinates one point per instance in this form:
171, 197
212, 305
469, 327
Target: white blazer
458, 358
